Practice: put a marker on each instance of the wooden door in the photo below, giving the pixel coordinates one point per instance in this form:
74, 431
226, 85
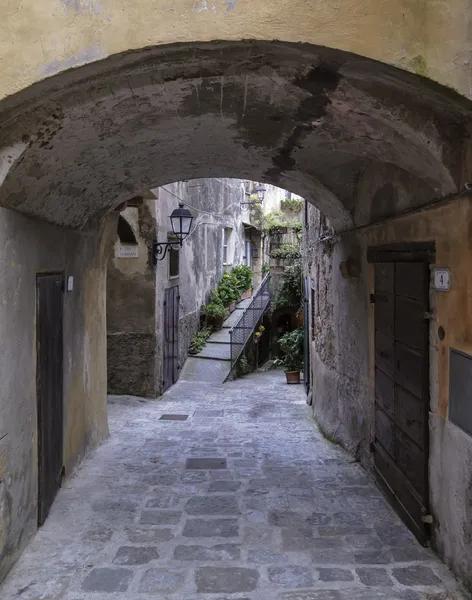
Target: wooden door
171, 337
402, 388
49, 323
306, 327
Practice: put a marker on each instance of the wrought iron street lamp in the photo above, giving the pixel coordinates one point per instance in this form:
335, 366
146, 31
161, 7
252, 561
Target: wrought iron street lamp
260, 191
181, 220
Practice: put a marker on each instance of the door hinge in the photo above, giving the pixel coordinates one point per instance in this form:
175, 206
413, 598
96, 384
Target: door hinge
427, 519
372, 298
428, 315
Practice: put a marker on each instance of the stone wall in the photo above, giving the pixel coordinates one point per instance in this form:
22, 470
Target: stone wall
26, 248
343, 359
131, 320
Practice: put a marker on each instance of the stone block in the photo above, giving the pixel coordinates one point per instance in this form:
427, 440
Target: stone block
219, 552
416, 575
156, 581
160, 517
334, 574
291, 576
297, 539
107, 580
212, 505
135, 555
148, 536
224, 486
211, 528
230, 580
372, 576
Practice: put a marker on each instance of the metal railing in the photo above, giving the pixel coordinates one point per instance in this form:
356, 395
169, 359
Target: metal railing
241, 332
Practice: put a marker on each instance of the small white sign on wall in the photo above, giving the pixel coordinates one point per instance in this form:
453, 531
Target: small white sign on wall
442, 280
126, 251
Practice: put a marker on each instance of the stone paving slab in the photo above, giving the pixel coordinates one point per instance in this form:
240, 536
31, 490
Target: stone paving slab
242, 501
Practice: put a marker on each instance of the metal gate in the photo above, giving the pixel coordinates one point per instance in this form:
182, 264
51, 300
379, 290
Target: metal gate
402, 384
171, 337
49, 381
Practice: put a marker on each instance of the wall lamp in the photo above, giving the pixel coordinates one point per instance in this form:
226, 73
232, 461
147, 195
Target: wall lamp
181, 220
260, 191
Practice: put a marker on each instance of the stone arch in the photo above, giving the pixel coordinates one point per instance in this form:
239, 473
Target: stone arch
307, 118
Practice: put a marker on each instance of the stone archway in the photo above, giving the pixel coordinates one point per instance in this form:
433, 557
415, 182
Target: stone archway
307, 118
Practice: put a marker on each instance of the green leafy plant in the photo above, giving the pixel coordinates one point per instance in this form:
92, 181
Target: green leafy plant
199, 339
214, 310
243, 277
290, 293
292, 345
228, 289
286, 252
265, 268
291, 205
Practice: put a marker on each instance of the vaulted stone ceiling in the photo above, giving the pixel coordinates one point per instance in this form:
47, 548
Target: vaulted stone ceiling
306, 118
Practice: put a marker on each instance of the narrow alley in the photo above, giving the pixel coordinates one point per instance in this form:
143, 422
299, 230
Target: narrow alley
223, 492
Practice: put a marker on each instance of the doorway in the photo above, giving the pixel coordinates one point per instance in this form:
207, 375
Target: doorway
49, 381
401, 436
171, 337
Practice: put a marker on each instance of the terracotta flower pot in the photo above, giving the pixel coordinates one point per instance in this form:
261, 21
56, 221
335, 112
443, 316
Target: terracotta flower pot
217, 323
232, 307
292, 376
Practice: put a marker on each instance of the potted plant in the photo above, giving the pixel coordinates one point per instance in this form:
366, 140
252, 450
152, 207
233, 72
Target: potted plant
243, 276
199, 340
228, 291
215, 314
292, 345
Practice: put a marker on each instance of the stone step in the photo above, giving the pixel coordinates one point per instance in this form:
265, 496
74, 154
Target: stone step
208, 371
215, 350
220, 337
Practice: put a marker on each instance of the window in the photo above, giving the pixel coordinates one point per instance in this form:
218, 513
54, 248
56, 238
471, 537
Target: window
226, 245
248, 253
174, 260
125, 232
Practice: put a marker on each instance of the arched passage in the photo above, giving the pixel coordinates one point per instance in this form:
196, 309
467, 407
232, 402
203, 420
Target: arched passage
323, 123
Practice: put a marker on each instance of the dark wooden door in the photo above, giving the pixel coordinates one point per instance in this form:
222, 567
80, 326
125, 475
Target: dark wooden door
402, 388
49, 319
306, 327
171, 337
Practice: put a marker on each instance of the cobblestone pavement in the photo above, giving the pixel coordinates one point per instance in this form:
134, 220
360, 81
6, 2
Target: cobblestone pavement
241, 498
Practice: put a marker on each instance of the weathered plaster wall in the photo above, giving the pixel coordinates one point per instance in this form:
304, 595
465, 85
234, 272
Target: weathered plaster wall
343, 359
339, 338
42, 37
131, 321
26, 248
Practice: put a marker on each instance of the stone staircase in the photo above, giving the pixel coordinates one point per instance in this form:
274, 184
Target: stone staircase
213, 363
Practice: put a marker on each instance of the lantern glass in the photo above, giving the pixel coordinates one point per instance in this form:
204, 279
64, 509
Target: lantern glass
260, 189
181, 220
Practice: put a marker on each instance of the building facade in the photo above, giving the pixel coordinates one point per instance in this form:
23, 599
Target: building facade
153, 306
